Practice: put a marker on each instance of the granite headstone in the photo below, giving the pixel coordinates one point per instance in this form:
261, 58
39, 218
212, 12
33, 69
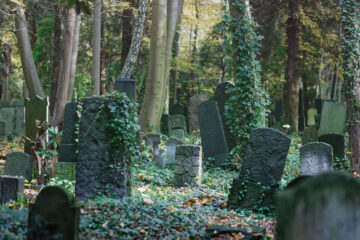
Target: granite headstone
315, 158
19, 164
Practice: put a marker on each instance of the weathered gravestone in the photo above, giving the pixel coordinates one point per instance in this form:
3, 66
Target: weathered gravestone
263, 165
194, 102
179, 109
188, 166
151, 138
310, 135
53, 216
311, 116
338, 143
221, 97
69, 145
2, 129
164, 155
333, 118
19, 164
65, 170
11, 188
126, 85
12, 113
35, 109
164, 124
213, 138
315, 158
178, 133
177, 122
100, 168
320, 208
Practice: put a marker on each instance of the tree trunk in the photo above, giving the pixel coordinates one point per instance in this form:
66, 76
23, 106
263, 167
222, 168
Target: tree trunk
55, 58
75, 51
126, 30
137, 34
95, 73
27, 59
65, 66
102, 57
152, 106
5, 70
175, 73
291, 73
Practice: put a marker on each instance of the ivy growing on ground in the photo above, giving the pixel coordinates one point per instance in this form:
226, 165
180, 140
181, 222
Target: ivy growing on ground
247, 107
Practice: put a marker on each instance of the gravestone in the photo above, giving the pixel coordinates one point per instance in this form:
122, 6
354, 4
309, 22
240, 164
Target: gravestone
193, 114
12, 113
165, 155
311, 116
178, 133
97, 169
176, 122
187, 168
65, 170
213, 138
338, 143
126, 85
301, 117
69, 145
2, 129
315, 158
320, 208
164, 124
11, 188
220, 97
150, 138
333, 118
263, 165
19, 164
53, 216
310, 135
35, 109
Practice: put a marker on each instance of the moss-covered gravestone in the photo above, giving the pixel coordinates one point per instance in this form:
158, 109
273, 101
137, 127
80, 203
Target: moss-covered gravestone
310, 135
177, 126
333, 118
53, 216
11, 188
101, 168
315, 158
19, 164
263, 165
13, 114
65, 170
323, 207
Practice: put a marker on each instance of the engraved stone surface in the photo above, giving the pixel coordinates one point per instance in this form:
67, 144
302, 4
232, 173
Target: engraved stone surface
12, 112
322, 207
19, 164
315, 158
333, 118
11, 188
188, 166
194, 102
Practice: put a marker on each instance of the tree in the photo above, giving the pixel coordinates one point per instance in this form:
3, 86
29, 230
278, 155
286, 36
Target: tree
351, 58
95, 73
127, 26
27, 61
5, 70
152, 106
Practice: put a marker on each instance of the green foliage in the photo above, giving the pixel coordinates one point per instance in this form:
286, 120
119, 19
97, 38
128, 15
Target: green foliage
66, 184
13, 222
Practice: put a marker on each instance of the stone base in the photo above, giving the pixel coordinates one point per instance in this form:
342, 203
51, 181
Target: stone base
65, 170
246, 194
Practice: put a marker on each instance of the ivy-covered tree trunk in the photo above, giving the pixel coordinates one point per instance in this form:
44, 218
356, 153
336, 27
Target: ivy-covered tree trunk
351, 58
246, 109
5, 70
291, 95
127, 26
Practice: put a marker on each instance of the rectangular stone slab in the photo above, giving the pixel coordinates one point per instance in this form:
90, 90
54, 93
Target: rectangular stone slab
11, 188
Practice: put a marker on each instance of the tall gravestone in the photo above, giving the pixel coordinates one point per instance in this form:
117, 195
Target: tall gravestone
2, 129
19, 164
194, 102
213, 138
333, 118
315, 158
177, 122
11, 188
35, 109
98, 169
220, 97
338, 143
188, 166
164, 124
320, 208
53, 216
263, 165
126, 85
12, 113
69, 145
310, 135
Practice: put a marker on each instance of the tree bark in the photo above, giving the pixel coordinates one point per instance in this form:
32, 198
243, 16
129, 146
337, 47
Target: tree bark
127, 26
291, 91
65, 66
5, 70
27, 59
95, 74
175, 73
152, 106
137, 34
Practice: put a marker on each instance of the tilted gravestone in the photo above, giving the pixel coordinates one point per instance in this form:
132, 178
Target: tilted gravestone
98, 169
164, 124
194, 102
320, 208
11, 188
213, 138
338, 143
263, 165
221, 97
333, 118
177, 122
53, 216
310, 135
315, 158
69, 145
35, 109
12, 113
19, 164
65, 170
165, 155
188, 166
2, 129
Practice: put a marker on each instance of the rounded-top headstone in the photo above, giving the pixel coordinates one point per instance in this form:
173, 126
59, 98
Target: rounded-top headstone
127, 86
315, 158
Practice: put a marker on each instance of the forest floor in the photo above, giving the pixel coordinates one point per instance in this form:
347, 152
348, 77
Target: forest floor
156, 209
